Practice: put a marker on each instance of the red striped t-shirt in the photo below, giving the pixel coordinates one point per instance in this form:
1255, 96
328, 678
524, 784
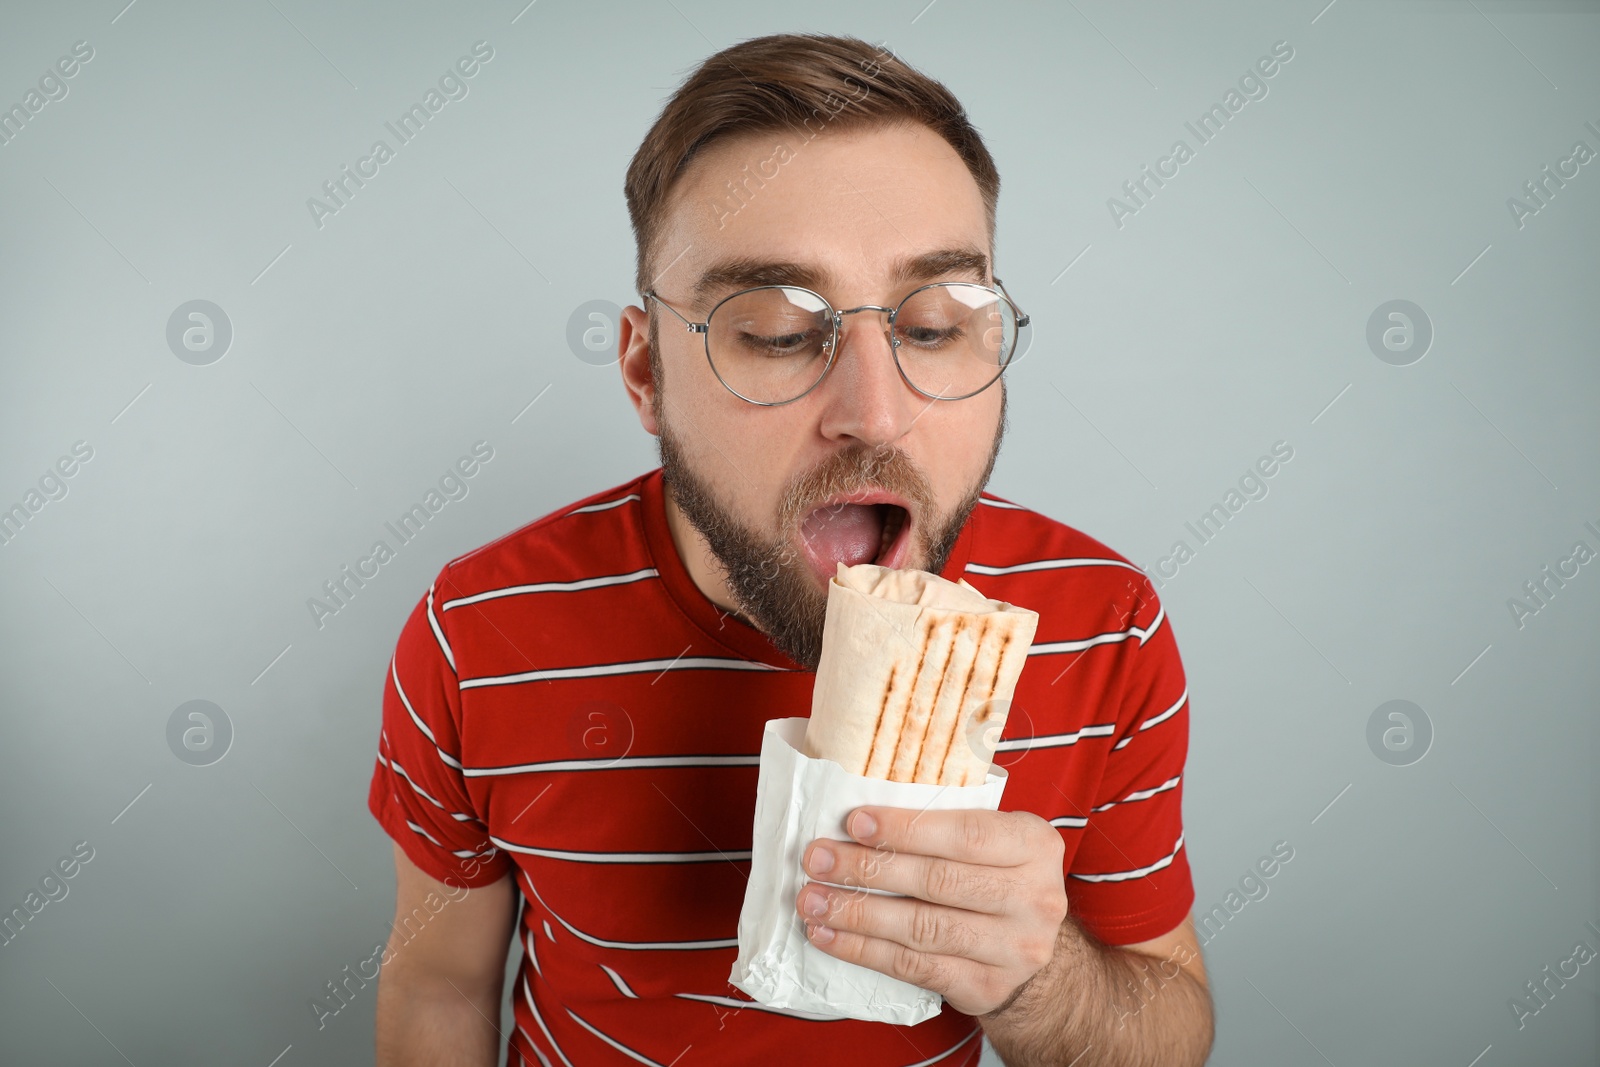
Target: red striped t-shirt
564, 705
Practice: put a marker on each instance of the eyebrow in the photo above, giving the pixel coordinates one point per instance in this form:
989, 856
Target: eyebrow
745, 272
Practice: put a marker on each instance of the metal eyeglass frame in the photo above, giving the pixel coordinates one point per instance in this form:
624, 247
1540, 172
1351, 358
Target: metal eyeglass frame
832, 347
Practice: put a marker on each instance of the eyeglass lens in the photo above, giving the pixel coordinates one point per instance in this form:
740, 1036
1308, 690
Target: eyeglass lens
770, 344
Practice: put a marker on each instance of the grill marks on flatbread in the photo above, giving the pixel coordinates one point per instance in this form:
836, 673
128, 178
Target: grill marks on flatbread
883, 707
985, 703
937, 650
925, 713
946, 718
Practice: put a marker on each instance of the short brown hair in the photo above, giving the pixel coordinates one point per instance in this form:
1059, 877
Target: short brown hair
791, 82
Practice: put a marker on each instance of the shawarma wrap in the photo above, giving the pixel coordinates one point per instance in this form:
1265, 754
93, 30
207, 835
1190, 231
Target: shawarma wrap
916, 676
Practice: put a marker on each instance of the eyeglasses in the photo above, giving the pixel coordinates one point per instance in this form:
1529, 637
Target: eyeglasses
773, 344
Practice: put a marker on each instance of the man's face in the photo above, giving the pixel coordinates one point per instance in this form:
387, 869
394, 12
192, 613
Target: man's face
782, 494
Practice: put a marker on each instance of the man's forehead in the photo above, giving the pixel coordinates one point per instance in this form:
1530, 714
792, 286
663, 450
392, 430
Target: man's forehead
728, 273
809, 216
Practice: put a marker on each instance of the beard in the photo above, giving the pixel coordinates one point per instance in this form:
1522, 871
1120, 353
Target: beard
775, 589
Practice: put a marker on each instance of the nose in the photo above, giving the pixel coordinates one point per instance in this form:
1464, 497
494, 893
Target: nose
866, 398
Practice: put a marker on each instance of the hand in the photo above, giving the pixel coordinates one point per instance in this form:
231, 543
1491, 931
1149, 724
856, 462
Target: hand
984, 898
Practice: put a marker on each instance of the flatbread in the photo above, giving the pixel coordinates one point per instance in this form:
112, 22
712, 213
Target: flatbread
916, 676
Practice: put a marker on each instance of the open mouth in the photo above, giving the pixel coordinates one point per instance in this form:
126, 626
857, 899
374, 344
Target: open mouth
853, 533
893, 517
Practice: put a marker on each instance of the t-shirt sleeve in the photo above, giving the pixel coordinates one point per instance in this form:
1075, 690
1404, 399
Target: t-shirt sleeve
418, 793
1129, 879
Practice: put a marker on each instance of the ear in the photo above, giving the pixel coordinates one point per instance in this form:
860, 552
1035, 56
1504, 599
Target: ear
633, 356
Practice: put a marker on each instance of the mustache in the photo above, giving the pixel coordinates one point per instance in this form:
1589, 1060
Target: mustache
856, 469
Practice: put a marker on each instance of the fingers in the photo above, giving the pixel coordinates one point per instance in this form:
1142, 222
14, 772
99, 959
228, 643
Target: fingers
927, 971
912, 924
970, 886
970, 835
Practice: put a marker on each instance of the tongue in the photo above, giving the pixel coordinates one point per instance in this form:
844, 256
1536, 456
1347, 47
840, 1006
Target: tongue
847, 533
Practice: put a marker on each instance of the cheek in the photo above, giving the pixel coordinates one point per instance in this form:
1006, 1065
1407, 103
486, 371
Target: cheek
952, 455
725, 437
958, 446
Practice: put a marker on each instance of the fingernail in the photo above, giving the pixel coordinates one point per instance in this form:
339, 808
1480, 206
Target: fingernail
821, 860
863, 826
815, 904
819, 933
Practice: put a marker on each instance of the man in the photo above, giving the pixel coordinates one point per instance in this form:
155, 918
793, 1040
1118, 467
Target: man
573, 714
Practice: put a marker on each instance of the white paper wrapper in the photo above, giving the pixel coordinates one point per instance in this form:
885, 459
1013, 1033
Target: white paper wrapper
799, 799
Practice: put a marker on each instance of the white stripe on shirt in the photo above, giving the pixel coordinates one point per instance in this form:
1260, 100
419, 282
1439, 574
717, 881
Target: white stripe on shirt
1153, 720
1050, 565
527, 994
533, 957
1056, 740
1138, 872
460, 853
438, 633
721, 942
1143, 794
394, 765
993, 503
682, 663
448, 759
1079, 644
543, 1059
613, 1042
1165, 715
423, 832
616, 762
605, 505
737, 1005
554, 587
621, 857
616, 980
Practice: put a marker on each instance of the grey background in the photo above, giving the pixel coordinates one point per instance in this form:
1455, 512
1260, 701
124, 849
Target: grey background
1229, 313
